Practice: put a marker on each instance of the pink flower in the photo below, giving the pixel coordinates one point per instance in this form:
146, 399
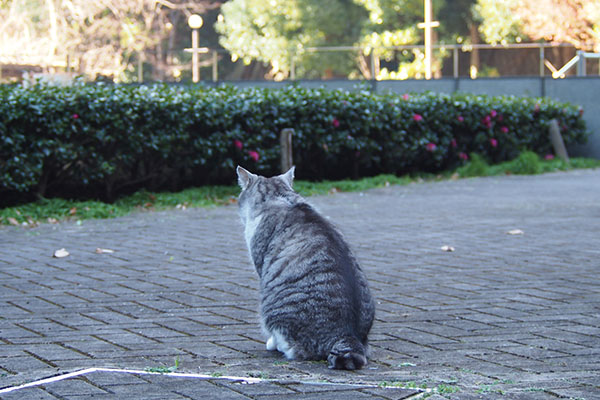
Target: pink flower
463, 156
487, 121
549, 157
254, 155
335, 123
536, 109
500, 118
430, 146
493, 113
504, 129
405, 96
74, 116
493, 142
460, 118
417, 117
238, 144
453, 143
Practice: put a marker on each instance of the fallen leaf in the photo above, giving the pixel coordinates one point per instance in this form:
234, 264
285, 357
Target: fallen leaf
13, 221
52, 220
73, 211
104, 251
455, 176
515, 232
60, 253
447, 248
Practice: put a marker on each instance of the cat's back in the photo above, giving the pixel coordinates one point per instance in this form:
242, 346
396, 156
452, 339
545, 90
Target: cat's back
303, 233
309, 259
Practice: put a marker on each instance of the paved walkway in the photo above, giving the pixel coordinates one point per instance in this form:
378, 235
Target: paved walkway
503, 316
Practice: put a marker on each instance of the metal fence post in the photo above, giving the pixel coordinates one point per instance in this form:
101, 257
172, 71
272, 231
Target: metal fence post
215, 71
542, 57
581, 64
455, 61
292, 68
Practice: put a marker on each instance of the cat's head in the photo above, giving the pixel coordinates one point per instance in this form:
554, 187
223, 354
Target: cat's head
259, 191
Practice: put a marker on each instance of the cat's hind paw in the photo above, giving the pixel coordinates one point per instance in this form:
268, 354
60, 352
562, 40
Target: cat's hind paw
272, 343
349, 360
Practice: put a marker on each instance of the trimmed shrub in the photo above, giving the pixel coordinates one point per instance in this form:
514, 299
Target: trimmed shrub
95, 140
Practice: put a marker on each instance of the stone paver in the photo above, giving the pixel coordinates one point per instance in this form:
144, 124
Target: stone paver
503, 316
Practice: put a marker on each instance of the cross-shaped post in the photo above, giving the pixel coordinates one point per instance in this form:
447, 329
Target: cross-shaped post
427, 25
195, 22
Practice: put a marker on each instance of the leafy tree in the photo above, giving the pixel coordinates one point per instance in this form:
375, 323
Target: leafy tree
393, 23
499, 22
279, 32
100, 37
568, 21
565, 21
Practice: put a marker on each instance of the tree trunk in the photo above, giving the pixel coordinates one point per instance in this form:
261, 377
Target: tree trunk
53, 29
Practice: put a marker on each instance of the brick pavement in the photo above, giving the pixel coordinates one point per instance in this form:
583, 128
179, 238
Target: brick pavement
503, 316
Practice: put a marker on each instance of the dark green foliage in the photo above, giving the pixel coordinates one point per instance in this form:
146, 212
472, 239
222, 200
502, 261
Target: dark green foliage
90, 141
476, 166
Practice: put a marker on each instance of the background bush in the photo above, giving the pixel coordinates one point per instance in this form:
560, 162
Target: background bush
90, 141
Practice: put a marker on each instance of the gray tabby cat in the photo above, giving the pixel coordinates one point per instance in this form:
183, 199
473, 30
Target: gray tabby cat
315, 301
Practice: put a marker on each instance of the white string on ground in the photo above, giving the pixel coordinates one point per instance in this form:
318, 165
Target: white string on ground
241, 379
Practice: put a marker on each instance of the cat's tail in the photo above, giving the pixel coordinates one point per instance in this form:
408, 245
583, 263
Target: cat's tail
347, 353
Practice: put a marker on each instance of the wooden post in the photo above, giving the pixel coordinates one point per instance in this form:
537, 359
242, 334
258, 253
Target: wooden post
557, 141
285, 141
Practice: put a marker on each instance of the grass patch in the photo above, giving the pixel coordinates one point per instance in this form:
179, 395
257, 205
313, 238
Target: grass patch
447, 389
55, 210
527, 163
401, 384
164, 369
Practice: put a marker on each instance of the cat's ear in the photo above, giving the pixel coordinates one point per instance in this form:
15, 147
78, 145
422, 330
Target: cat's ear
288, 177
244, 177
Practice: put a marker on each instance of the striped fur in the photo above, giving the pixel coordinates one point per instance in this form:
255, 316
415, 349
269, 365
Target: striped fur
315, 301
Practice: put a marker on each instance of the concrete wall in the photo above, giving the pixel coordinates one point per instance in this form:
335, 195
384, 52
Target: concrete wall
583, 91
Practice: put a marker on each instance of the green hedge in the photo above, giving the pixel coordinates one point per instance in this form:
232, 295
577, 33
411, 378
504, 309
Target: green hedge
105, 140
